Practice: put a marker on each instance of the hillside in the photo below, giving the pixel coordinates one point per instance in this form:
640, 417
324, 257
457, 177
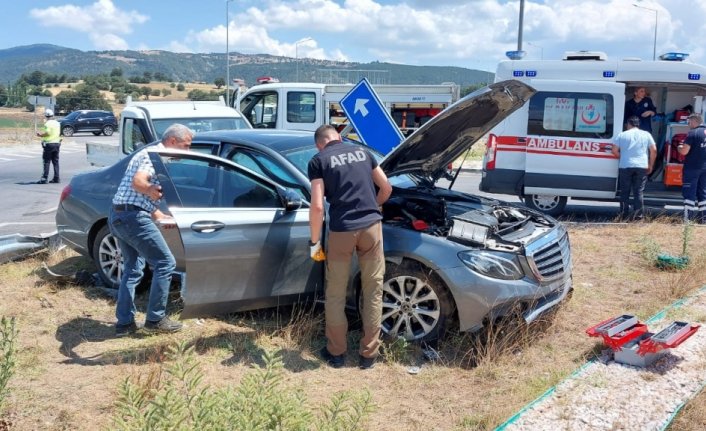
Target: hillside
205, 67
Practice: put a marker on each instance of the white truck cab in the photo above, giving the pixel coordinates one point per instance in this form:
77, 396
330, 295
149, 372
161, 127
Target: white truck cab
306, 106
144, 122
558, 146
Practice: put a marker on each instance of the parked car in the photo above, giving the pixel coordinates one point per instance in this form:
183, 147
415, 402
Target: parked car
240, 200
86, 120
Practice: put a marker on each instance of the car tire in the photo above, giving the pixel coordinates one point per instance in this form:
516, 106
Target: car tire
548, 204
67, 131
108, 130
96, 133
108, 258
415, 303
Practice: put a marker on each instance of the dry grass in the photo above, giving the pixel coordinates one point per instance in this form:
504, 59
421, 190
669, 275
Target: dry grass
70, 365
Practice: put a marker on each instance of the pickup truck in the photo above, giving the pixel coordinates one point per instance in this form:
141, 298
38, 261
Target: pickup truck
144, 122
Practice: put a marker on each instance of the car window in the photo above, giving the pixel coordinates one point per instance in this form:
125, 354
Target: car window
205, 184
264, 165
200, 124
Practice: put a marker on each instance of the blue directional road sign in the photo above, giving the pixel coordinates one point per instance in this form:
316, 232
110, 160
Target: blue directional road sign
371, 120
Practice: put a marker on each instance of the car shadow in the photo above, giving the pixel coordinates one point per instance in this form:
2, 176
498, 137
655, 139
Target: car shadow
81, 331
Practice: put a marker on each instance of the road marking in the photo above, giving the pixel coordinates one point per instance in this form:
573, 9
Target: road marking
47, 211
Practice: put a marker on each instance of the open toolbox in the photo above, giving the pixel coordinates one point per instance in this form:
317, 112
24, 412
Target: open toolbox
633, 344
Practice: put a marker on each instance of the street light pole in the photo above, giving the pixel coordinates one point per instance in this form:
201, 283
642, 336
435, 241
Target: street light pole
296, 52
654, 45
227, 56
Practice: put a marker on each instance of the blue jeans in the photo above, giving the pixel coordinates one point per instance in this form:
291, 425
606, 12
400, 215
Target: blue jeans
140, 240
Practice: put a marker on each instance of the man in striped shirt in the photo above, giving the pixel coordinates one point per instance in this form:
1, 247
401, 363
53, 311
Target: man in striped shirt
131, 219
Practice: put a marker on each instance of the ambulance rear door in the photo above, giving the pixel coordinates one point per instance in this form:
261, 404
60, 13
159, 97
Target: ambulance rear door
570, 128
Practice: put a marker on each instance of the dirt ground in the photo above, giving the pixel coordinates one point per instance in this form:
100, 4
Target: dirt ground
70, 365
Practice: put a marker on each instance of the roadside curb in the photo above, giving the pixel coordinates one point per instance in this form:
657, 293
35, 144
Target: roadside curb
539, 405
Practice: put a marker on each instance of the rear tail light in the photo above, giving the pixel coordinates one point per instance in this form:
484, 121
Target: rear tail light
65, 193
490, 152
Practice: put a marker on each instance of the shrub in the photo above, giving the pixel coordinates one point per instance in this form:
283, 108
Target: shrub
180, 87
8, 339
259, 402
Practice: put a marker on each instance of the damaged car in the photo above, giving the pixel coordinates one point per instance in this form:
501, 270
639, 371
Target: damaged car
240, 200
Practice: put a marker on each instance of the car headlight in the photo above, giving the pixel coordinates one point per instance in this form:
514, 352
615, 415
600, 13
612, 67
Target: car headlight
492, 264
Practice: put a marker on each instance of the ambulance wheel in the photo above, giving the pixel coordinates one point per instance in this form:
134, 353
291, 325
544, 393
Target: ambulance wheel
548, 204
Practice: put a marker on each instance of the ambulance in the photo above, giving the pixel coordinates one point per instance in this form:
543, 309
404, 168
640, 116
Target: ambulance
558, 146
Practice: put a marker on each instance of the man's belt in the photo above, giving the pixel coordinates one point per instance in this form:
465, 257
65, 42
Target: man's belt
127, 207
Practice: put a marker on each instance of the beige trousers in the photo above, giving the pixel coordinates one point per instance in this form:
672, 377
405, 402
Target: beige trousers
367, 243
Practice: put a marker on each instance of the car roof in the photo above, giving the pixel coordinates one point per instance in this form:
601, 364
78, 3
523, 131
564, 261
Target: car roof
277, 140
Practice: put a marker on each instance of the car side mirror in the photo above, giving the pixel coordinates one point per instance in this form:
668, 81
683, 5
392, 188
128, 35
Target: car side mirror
291, 199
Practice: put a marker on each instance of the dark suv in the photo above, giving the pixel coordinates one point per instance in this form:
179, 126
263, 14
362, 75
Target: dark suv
89, 121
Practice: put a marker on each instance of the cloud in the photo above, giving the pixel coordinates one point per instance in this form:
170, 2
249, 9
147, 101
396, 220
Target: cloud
102, 21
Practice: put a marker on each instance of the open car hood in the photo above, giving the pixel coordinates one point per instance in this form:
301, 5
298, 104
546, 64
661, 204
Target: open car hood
429, 150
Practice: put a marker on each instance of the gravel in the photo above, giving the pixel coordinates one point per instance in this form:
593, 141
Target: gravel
605, 395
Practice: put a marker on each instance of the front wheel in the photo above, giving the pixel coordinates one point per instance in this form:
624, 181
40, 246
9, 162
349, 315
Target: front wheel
67, 131
415, 303
548, 204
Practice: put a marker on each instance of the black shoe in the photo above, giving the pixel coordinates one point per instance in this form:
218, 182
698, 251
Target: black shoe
163, 326
42, 181
55, 181
335, 361
125, 330
365, 363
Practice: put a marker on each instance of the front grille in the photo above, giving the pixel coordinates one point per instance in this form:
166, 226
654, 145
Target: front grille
552, 260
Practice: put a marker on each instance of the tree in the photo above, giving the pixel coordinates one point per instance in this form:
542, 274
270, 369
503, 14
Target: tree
3, 95
219, 82
116, 72
166, 92
146, 91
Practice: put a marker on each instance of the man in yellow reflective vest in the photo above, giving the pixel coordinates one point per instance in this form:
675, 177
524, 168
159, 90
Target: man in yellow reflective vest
50, 142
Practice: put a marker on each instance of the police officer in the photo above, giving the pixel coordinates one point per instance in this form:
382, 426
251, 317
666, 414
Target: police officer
346, 174
50, 142
694, 175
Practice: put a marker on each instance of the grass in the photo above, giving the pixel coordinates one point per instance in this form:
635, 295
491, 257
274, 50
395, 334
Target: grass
72, 367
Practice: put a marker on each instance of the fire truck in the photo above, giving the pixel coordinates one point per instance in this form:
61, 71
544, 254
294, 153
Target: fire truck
558, 146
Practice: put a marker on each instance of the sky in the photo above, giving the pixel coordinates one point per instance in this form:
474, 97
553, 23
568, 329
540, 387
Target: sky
469, 33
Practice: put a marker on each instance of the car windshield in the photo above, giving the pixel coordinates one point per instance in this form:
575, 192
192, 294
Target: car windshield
200, 124
300, 157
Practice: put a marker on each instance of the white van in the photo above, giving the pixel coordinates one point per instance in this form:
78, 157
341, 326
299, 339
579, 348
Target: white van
558, 146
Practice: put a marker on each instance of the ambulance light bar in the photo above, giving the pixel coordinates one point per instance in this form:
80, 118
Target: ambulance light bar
674, 56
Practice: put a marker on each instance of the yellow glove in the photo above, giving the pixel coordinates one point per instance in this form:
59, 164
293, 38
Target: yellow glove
316, 252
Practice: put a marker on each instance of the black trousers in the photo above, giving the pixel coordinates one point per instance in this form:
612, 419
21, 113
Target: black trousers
632, 179
51, 155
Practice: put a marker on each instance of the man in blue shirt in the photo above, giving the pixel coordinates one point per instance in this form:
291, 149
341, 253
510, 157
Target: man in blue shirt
637, 152
694, 175
132, 221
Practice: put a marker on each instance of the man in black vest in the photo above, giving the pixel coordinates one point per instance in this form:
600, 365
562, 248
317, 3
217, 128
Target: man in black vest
694, 175
346, 174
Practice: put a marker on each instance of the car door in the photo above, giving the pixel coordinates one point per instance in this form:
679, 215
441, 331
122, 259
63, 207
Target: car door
241, 239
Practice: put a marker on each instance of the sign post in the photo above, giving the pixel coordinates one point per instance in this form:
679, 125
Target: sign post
372, 121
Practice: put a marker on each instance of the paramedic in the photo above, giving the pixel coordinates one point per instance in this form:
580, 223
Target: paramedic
637, 151
642, 107
346, 175
694, 176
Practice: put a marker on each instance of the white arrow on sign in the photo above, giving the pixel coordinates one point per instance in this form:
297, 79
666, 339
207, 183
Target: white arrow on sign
360, 106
